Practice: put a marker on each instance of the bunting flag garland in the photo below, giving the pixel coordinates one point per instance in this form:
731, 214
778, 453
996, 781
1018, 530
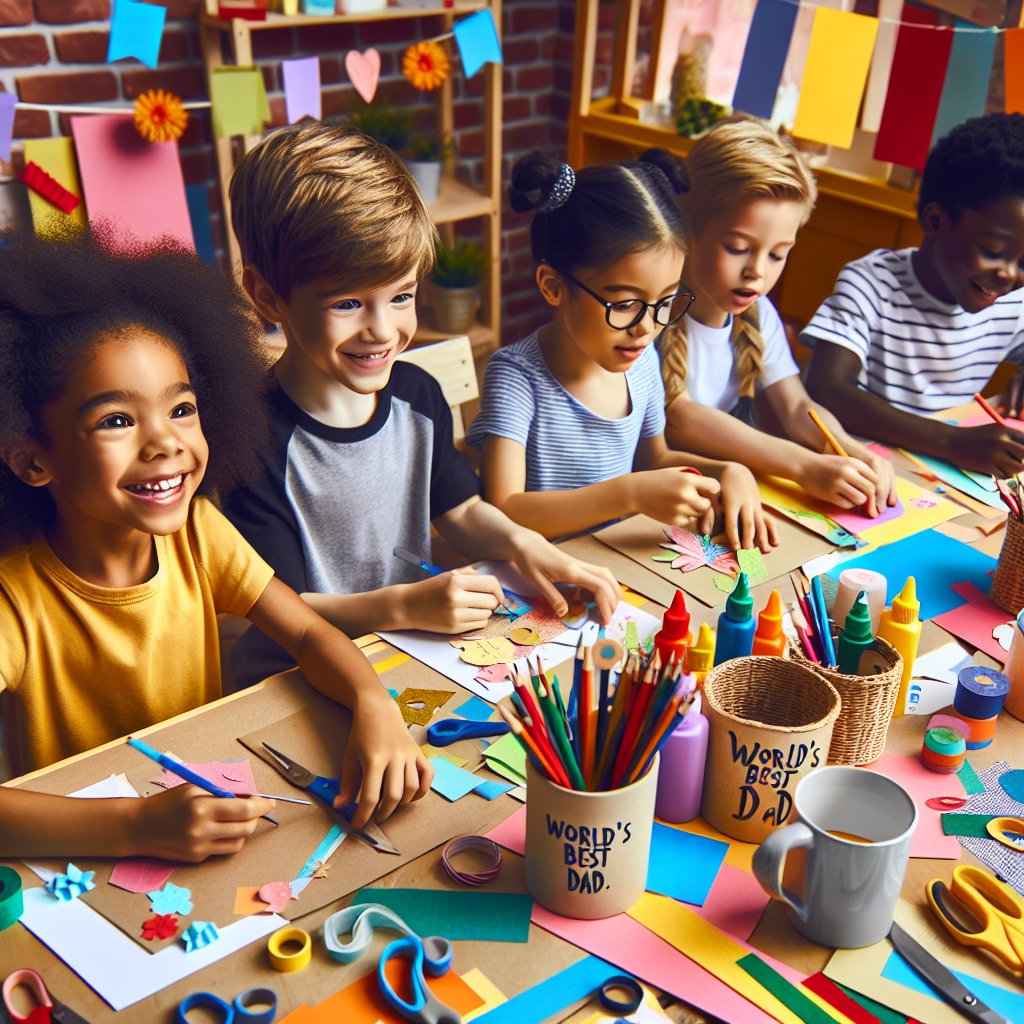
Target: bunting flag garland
915, 88
881, 64
136, 30
965, 89
1013, 70
764, 57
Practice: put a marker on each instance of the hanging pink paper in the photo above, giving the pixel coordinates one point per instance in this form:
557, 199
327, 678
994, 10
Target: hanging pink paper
134, 186
141, 874
915, 89
364, 70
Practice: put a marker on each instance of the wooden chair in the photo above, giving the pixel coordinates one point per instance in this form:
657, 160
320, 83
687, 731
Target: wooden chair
451, 364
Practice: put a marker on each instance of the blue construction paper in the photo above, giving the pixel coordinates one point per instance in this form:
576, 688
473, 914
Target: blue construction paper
476, 710
490, 790
957, 478
765, 56
451, 781
197, 198
135, 31
965, 90
477, 39
682, 865
935, 561
7, 104
559, 992
1002, 1000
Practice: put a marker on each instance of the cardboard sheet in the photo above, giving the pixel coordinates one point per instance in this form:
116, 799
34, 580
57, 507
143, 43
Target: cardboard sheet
975, 620
639, 536
625, 569
134, 186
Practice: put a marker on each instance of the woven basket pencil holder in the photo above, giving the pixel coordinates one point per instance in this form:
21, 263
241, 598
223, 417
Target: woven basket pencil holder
1008, 580
868, 702
770, 723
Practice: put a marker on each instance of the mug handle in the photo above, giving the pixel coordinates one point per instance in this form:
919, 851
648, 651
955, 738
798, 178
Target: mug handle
770, 859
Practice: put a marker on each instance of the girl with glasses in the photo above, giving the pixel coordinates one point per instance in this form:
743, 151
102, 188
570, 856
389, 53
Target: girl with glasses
748, 194
572, 418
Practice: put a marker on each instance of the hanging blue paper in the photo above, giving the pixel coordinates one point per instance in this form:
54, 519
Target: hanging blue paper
135, 31
965, 91
477, 39
7, 105
199, 216
764, 56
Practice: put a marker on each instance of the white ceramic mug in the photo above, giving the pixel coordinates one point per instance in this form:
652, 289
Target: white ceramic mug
856, 827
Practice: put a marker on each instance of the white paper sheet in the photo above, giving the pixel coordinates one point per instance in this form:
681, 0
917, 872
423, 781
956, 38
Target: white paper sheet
934, 681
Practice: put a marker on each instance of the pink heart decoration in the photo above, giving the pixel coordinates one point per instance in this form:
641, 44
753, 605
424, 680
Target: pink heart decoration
364, 70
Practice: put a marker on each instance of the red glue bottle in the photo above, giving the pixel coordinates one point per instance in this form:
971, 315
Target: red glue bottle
674, 637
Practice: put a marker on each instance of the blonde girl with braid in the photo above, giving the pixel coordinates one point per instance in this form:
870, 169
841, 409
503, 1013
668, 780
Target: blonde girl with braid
572, 418
748, 194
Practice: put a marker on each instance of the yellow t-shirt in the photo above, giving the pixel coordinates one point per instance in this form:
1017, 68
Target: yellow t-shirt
86, 664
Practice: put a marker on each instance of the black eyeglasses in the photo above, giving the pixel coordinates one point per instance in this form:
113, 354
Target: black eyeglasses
627, 313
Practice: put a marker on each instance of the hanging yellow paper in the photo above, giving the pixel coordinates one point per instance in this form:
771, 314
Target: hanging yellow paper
57, 158
834, 75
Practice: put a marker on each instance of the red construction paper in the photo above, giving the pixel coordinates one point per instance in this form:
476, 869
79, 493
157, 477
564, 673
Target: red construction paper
1013, 67
837, 998
49, 188
159, 926
975, 620
915, 89
141, 874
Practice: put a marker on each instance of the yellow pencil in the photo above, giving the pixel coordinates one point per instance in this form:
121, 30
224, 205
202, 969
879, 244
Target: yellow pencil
829, 436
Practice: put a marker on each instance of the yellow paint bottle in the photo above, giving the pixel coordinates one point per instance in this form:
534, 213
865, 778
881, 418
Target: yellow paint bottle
901, 626
701, 655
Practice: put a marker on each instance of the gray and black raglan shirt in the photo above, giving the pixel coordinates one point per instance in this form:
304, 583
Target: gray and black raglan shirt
332, 504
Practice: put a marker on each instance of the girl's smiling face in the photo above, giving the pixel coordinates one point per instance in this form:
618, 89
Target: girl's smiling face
123, 446
739, 255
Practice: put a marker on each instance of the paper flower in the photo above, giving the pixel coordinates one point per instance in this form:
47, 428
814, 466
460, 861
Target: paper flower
693, 551
171, 899
159, 926
198, 935
70, 886
276, 896
426, 65
160, 116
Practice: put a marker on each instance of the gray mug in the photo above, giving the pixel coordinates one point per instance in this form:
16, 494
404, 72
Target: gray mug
856, 827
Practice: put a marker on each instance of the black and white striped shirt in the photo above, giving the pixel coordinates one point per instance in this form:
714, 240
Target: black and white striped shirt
918, 353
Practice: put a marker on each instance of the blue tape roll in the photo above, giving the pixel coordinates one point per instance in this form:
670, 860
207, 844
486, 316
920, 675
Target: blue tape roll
980, 692
265, 997
208, 1001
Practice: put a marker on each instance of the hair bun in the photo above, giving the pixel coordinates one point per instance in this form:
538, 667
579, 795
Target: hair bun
533, 179
672, 167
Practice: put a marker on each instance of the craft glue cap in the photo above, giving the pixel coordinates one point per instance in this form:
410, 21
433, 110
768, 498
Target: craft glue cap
740, 605
769, 619
701, 654
905, 606
676, 622
858, 621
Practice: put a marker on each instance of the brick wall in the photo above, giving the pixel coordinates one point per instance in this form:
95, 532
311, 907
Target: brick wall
54, 51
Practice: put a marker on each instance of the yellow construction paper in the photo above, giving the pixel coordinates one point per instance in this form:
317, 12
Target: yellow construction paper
915, 518
486, 990
703, 943
386, 664
837, 68
57, 158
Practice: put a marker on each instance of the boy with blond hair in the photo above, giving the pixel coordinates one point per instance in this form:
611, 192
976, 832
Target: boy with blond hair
334, 238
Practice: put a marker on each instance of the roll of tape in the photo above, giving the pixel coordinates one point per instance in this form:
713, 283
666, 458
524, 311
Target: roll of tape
11, 902
983, 731
980, 692
621, 994
263, 997
950, 722
289, 960
945, 742
205, 1001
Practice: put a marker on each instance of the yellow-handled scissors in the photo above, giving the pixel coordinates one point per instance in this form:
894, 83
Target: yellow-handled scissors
979, 910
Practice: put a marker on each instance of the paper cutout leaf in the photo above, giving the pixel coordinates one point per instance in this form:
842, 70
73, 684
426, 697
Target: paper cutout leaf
159, 926
500, 673
171, 899
494, 650
364, 71
751, 561
419, 706
198, 935
276, 896
49, 188
71, 885
694, 552
525, 636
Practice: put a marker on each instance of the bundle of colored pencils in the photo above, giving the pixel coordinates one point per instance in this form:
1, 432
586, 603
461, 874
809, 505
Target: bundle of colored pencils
609, 735
811, 621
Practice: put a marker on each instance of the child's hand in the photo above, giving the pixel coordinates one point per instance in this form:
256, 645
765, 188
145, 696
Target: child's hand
885, 489
452, 602
383, 767
746, 524
988, 449
676, 497
544, 565
188, 824
842, 481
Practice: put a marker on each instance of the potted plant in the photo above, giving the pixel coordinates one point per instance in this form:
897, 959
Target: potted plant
387, 125
455, 286
427, 154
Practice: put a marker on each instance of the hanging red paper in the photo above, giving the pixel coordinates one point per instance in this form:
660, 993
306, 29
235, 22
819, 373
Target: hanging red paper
1013, 65
915, 89
49, 188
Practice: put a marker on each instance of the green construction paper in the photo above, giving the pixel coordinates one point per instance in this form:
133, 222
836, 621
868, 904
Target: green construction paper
972, 825
876, 1009
506, 757
726, 584
786, 992
969, 777
239, 101
491, 916
752, 563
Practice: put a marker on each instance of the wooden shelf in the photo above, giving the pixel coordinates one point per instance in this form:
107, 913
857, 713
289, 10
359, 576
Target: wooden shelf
481, 337
275, 20
457, 201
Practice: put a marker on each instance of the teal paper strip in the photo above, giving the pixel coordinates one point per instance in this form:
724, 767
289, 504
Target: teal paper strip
969, 778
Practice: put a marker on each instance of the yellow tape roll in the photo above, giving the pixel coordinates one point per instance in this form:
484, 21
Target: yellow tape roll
290, 949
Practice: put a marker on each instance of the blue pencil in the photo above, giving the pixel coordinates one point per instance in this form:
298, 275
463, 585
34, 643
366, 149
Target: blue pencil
821, 611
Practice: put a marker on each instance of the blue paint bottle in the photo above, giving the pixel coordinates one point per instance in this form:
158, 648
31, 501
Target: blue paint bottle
736, 624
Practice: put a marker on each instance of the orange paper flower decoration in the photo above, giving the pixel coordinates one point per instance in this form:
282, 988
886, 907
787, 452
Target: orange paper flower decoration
426, 65
160, 116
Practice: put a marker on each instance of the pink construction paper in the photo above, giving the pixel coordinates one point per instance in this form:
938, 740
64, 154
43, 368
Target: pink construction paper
856, 522
234, 776
982, 419
975, 621
141, 874
922, 784
134, 186
511, 833
879, 449
735, 903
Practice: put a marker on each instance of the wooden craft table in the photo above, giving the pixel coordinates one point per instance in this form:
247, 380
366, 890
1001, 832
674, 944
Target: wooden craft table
512, 967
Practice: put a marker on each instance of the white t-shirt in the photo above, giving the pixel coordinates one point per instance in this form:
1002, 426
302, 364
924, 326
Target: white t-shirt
710, 371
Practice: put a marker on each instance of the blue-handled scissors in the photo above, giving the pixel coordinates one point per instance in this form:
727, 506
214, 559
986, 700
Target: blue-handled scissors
238, 1012
424, 1007
327, 789
449, 730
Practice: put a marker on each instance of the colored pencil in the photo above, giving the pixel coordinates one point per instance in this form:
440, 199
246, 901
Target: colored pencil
557, 731
539, 728
830, 438
800, 625
824, 626
990, 412
635, 721
679, 710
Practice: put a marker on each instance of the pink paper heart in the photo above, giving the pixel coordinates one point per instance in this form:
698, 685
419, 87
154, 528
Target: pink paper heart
364, 70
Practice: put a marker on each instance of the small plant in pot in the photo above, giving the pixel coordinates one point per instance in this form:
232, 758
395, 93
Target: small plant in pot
387, 125
455, 286
427, 154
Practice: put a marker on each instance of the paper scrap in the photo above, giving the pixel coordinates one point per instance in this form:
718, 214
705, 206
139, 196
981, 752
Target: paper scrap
364, 72
160, 926
492, 790
489, 916
140, 874
247, 901
234, 776
506, 757
276, 896
1007, 863
672, 848
418, 706
785, 991
452, 782
486, 990
476, 710
431, 752
477, 39
171, 899
975, 620
239, 100
70, 885
969, 779
135, 31
301, 79
198, 935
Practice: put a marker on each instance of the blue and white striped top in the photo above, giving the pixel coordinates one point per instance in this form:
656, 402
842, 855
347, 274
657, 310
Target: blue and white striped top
567, 445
